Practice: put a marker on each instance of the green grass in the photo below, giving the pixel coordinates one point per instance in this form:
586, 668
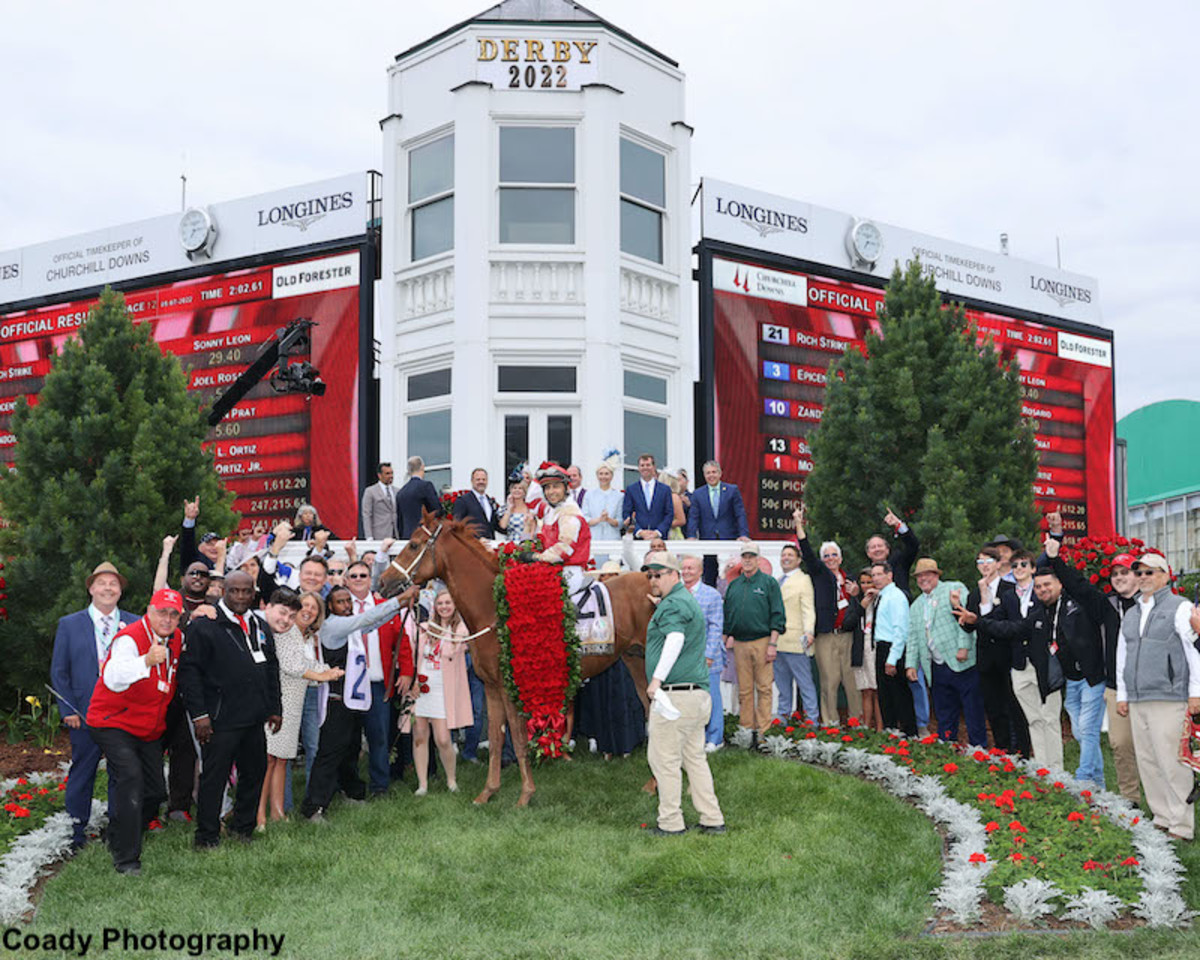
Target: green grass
815, 864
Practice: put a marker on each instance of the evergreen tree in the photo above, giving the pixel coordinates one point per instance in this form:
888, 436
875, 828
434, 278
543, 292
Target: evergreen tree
104, 462
927, 424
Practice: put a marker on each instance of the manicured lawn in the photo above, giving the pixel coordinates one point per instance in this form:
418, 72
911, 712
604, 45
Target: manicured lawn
816, 864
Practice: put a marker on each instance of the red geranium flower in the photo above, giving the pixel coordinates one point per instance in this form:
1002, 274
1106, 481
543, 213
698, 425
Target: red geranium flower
789, 729
1017, 827
932, 738
992, 826
1129, 862
1026, 795
1091, 865
852, 722
950, 767
977, 858
1017, 857
1075, 816
1058, 785
776, 722
1043, 772
1086, 794
424, 688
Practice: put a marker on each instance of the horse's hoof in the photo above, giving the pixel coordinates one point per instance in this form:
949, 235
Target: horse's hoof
524, 800
483, 798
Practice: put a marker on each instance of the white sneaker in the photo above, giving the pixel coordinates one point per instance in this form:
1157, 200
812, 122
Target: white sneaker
712, 747
421, 791
592, 745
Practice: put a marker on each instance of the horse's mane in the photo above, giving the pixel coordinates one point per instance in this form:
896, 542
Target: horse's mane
464, 532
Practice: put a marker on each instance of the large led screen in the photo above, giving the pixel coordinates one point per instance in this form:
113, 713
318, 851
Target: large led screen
275, 451
775, 333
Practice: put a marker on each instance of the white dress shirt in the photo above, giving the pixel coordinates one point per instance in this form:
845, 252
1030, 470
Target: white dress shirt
370, 640
106, 626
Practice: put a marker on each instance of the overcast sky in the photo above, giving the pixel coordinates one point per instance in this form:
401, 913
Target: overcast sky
962, 120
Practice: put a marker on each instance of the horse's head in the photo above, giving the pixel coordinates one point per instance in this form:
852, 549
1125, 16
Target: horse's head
416, 563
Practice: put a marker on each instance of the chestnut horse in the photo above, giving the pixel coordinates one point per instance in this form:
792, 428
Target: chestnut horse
448, 550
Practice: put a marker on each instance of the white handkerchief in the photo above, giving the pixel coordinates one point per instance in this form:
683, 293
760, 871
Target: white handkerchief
664, 707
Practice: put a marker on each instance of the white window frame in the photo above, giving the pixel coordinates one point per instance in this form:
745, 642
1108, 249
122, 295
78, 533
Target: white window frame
411, 206
663, 151
647, 407
445, 401
577, 223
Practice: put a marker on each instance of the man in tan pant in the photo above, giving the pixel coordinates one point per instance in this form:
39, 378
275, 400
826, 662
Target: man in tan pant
1158, 685
678, 689
754, 619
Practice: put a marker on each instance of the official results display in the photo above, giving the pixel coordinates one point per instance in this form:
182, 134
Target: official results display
275, 451
774, 334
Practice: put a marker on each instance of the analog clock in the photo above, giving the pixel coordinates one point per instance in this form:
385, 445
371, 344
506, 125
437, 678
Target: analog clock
197, 232
865, 242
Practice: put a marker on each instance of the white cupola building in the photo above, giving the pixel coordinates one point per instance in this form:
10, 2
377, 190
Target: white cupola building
536, 262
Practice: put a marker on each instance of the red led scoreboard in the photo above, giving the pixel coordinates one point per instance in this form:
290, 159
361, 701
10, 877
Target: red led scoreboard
770, 334
275, 451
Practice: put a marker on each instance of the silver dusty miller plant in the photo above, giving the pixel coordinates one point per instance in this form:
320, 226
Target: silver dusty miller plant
1096, 908
1029, 900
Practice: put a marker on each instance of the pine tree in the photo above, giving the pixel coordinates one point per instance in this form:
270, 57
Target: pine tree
927, 424
104, 462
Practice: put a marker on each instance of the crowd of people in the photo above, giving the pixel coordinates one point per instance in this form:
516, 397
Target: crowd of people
253, 661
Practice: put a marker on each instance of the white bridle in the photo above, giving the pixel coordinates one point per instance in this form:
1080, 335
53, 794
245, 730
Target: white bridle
406, 572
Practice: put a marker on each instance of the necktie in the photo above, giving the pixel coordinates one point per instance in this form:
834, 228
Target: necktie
105, 635
714, 497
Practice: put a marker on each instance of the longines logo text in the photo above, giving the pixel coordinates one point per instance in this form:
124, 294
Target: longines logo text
1061, 293
763, 219
10, 271
304, 213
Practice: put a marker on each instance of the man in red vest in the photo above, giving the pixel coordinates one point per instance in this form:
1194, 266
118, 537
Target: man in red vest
127, 718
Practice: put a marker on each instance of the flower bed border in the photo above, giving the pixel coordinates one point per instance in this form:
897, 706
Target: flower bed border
962, 890
32, 853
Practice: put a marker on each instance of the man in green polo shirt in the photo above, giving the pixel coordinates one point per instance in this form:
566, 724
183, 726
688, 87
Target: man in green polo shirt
754, 619
678, 686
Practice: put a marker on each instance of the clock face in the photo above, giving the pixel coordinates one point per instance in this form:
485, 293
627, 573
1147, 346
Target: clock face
868, 241
193, 229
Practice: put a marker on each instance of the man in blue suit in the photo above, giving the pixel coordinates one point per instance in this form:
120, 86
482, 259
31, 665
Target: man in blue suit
717, 514
416, 495
648, 503
80, 647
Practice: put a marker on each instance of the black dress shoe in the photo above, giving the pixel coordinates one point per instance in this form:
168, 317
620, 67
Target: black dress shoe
130, 869
711, 828
660, 832
205, 846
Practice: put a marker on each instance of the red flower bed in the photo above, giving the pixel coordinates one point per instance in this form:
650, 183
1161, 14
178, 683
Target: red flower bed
539, 649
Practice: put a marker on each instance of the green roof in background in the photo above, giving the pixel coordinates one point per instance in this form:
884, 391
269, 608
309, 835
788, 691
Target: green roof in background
1161, 453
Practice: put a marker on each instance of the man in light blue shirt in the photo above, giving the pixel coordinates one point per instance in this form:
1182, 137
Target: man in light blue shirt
891, 633
714, 646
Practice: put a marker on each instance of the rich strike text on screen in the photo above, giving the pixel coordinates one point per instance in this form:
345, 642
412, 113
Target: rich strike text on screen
775, 334
275, 451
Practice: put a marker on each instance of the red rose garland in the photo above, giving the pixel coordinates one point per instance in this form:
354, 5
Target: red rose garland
1092, 557
539, 649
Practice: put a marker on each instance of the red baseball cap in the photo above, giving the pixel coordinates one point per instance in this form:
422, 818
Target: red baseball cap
167, 599
1123, 560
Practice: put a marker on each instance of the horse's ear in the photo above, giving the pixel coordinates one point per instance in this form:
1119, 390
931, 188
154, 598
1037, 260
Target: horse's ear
427, 517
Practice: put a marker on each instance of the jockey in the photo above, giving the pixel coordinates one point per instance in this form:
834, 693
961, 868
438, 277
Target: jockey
566, 533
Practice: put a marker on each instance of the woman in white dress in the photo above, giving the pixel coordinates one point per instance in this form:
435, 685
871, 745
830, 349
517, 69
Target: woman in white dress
444, 703
602, 508
299, 654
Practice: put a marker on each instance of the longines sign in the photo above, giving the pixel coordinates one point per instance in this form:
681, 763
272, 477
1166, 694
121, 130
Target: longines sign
314, 213
791, 228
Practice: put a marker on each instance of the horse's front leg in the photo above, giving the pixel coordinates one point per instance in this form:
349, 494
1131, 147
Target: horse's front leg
495, 701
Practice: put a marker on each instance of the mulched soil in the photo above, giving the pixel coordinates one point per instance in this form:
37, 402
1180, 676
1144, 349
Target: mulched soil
998, 920
27, 757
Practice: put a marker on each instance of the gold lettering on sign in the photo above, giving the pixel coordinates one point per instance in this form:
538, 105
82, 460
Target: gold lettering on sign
562, 51
533, 50
510, 49
585, 47
487, 49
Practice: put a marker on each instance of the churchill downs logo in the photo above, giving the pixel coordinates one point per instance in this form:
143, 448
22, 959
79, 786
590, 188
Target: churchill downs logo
763, 219
304, 213
1061, 293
